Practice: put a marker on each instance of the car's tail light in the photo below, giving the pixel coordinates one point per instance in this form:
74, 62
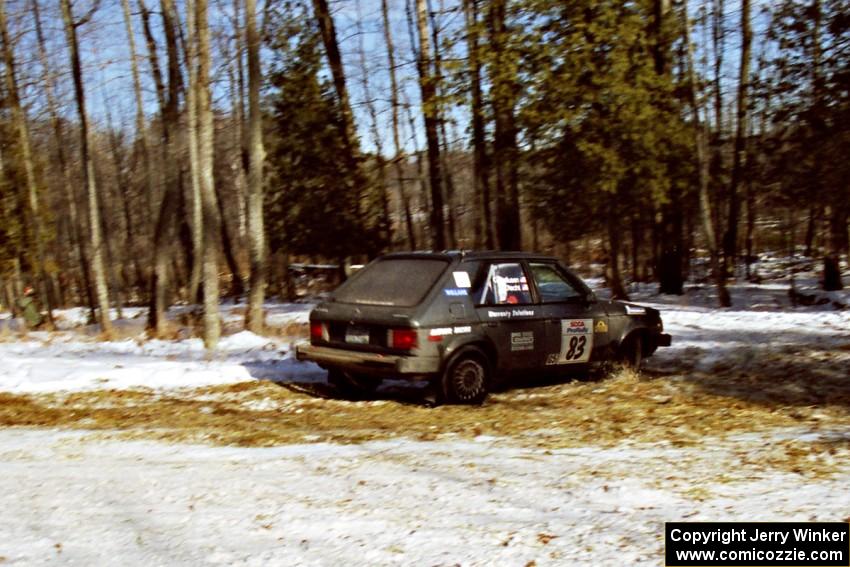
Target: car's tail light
403, 339
318, 332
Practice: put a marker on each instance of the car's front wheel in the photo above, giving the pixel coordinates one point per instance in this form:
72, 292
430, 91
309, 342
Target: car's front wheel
631, 351
466, 378
352, 386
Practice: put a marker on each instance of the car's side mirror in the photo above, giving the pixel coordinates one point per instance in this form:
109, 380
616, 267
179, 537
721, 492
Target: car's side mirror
590, 298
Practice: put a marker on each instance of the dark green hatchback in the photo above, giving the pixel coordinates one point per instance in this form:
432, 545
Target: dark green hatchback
462, 319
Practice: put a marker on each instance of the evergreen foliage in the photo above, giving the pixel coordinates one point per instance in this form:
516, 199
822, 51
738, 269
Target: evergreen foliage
311, 200
610, 132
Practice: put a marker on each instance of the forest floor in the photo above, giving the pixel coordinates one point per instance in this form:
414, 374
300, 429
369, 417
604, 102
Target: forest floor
151, 451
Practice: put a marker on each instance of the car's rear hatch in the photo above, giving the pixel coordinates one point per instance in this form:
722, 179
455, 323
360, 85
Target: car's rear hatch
372, 310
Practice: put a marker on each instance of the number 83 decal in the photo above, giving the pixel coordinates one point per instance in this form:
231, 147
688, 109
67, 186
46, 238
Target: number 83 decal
576, 350
576, 341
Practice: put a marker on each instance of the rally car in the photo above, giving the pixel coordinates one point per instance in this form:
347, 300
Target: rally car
465, 319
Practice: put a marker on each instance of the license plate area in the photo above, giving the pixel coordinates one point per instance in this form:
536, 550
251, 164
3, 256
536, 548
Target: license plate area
357, 335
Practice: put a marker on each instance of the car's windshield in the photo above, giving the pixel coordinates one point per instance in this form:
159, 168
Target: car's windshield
400, 282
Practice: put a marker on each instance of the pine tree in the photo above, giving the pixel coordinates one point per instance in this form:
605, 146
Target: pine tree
311, 202
611, 133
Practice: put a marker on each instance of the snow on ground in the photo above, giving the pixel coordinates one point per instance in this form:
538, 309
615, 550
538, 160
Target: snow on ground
278, 315
85, 498
63, 363
90, 501
761, 322
70, 360
704, 338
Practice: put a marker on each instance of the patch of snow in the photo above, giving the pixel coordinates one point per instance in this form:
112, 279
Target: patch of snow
75, 499
761, 321
244, 340
66, 363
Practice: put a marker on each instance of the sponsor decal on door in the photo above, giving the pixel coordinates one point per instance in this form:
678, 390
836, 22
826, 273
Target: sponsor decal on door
576, 341
523, 340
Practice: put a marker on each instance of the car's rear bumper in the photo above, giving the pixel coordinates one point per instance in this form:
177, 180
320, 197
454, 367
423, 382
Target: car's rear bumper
368, 362
663, 339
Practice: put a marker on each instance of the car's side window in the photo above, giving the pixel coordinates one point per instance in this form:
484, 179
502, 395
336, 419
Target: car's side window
552, 285
506, 284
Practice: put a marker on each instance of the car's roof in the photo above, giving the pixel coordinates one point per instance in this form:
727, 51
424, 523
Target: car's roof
471, 254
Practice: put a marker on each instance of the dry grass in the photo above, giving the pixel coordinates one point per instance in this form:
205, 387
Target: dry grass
606, 413
686, 409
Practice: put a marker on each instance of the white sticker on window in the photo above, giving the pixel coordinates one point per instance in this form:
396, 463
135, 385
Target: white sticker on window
462, 279
576, 341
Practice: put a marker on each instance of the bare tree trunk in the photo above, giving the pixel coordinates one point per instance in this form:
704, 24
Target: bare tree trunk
329, 39
448, 180
170, 26
403, 196
240, 164
194, 171
237, 285
165, 233
349, 132
730, 240
123, 188
717, 138
95, 234
117, 284
615, 279
751, 202
385, 225
703, 168
256, 230
481, 165
420, 201
505, 151
77, 236
159, 84
450, 193
241, 130
19, 120
427, 86
290, 292
670, 277
212, 323
140, 112
636, 241
718, 44
836, 244
240, 168
836, 232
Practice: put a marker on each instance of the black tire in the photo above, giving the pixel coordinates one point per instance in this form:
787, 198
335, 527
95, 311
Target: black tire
466, 379
631, 352
352, 386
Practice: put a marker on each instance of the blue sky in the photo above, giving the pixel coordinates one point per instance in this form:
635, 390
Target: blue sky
106, 56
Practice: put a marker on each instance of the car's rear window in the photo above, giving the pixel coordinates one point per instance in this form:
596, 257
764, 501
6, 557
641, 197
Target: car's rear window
400, 282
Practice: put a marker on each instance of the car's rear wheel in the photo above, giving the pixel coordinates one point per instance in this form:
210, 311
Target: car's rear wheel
352, 386
466, 378
631, 351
